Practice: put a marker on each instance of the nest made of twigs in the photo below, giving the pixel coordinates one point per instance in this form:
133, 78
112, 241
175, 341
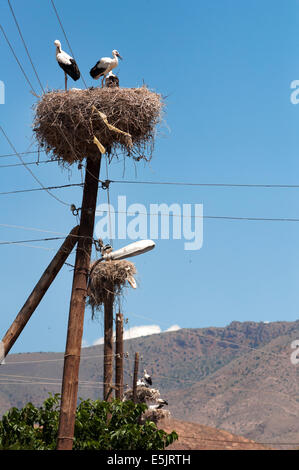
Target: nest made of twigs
143, 394
106, 278
149, 396
66, 123
154, 415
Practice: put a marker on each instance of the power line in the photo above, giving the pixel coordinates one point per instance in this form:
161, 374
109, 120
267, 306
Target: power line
31, 172
30, 382
26, 49
30, 241
35, 246
216, 217
178, 183
18, 377
239, 442
34, 229
66, 38
19, 63
11, 165
228, 185
174, 183
13, 363
20, 153
40, 189
220, 217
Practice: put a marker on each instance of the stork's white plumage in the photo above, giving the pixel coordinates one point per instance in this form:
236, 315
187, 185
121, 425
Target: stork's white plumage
140, 383
160, 403
147, 378
67, 63
104, 66
112, 80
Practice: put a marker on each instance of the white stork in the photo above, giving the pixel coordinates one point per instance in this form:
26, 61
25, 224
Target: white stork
140, 383
104, 66
147, 378
159, 405
67, 63
112, 80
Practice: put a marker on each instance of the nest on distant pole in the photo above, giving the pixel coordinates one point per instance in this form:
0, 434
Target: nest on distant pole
154, 415
74, 125
144, 394
108, 277
149, 396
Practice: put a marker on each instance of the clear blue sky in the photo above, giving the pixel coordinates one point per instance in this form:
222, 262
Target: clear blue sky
226, 68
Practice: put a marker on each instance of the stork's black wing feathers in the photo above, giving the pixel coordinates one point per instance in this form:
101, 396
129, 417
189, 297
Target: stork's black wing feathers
149, 380
97, 70
71, 69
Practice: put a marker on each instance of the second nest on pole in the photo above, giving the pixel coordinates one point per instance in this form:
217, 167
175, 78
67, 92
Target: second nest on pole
108, 277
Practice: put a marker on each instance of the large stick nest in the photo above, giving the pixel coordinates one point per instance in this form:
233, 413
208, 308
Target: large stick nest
154, 415
106, 278
148, 396
66, 122
143, 394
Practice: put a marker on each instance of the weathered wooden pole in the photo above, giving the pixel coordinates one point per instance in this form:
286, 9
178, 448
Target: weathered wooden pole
39, 291
136, 365
77, 307
108, 343
119, 355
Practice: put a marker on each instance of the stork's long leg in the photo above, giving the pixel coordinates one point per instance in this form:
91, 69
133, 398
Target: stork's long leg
103, 81
65, 81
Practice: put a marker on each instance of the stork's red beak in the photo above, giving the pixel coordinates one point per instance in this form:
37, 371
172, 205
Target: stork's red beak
118, 55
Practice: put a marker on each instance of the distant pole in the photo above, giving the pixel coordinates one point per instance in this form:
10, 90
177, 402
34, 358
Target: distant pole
108, 343
119, 356
77, 306
39, 291
136, 365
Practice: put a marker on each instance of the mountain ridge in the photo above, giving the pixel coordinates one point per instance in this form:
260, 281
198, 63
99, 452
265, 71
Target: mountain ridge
238, 378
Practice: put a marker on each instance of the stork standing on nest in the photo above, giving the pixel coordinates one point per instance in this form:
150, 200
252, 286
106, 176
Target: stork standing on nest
160, 403
67, 63
104, 66
147, 378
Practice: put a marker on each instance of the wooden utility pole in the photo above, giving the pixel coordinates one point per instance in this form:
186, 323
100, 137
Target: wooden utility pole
77, 307
108, 344
119, 355
39, 291
136, 365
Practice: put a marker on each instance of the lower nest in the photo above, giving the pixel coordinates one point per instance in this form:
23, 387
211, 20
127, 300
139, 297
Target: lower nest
106, 278
143, 394
154, 415
66, 123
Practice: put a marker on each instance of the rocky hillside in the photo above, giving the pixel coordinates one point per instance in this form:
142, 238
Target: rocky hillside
237, 378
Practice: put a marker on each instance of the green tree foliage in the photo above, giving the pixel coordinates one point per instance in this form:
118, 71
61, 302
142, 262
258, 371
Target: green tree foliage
99, 426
